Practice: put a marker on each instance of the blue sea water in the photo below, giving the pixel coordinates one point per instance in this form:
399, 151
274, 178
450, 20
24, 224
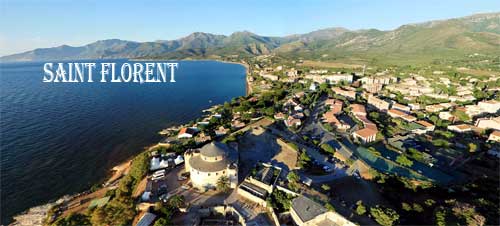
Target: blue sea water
60, 138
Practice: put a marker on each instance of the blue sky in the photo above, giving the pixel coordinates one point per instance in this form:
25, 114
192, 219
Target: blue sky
29, 24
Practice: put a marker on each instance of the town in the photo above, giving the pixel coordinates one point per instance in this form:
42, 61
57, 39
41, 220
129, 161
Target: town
317, 144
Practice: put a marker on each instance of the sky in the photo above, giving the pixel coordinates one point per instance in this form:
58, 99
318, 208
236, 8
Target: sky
30, 24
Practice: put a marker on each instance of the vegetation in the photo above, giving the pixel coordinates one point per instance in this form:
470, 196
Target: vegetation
404, 161
280, 200
384, 216
360, 208
327, 148
223, 184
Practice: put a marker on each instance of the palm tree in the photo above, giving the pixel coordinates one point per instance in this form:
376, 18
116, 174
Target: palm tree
223, 184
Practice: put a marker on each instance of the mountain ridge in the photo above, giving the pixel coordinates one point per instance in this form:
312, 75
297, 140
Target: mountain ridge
438, 38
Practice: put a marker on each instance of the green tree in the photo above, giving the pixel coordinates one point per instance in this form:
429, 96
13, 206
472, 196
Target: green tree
329, 207
162, 222
472, 147
360, 208
223, 184
327, 148
385, 217
404, 161
73, 219
177, 201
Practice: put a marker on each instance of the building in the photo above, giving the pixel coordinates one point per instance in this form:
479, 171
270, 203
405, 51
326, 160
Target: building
335, 105
306, 212
146, 219
446, 115
329, 117
279, 116
358, 109
269, 76
399, 114
221, 131
379, 104
488, 123
494, 136
401, 107
210, 163
461, 128
434, 108
334, 79
489, 106
257, 186
345, 93
186, 132
427, 125
366, 135
291, 121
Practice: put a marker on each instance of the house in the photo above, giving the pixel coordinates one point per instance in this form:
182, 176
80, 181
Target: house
299, 94
221, 131
401, 107
279, 116
269, 76
306, 212
414, 106
299, 108
379, 104
494, 136
434, 108
202, 138
395, 113
489, 106
446, 115
461, 128
333, 79
329, 117
298, 115
187, 132
427, 125
345, 93
488, 123
237, 124
312, 87
366, 135
473, 110
358, 109
335, 105
409, 118
291, 121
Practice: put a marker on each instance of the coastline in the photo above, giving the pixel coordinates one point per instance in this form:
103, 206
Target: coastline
248, 87
115, 173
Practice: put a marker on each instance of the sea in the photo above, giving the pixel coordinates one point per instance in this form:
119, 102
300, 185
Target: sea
61, 138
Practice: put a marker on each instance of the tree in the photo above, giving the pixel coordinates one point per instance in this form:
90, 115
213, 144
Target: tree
360, 208
385, 217
73, 219
472, 147
293, 177
327, 148
162, 222
223, 184
329, 207
404, 161
176, 201
405, 206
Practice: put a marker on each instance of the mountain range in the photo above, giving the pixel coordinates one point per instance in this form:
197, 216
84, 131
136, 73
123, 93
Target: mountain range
450, 38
